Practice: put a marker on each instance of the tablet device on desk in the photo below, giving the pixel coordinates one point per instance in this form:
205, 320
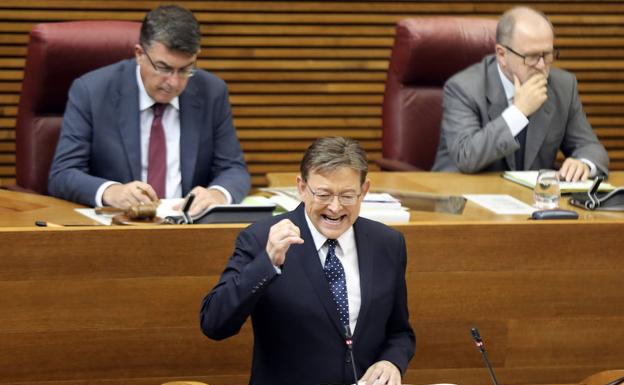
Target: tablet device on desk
234, 213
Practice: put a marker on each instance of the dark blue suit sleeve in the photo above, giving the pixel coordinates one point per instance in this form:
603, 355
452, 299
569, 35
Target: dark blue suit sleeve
228, 164
400, 341
69, 176
247, 274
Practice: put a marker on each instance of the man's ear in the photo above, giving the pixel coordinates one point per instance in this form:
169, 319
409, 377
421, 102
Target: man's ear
138, 51
500, 55
301, 186
365, 187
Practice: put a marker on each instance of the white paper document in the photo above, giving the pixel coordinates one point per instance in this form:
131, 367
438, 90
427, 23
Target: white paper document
501, 204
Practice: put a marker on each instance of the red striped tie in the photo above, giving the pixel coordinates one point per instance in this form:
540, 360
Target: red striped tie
157, 158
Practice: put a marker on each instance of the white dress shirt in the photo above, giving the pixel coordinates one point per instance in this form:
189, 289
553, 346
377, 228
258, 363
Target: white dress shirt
347, 254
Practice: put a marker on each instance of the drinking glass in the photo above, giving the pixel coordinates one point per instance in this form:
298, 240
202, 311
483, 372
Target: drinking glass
546, 193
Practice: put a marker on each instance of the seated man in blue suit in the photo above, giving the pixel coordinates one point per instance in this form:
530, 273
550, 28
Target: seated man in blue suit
311, 276
150, 127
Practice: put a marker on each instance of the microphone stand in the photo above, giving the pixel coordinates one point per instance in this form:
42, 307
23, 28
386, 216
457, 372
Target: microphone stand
479, 342
349, 343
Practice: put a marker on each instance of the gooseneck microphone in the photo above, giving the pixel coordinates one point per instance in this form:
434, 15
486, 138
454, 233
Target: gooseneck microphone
479, 343
349, 343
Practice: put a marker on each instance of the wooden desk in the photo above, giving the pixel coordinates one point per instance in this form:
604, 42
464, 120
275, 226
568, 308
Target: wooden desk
22, 210
458, 184
113, 305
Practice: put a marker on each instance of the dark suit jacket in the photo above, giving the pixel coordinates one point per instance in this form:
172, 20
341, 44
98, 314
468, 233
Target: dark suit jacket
100, 136
474, 135
298, 337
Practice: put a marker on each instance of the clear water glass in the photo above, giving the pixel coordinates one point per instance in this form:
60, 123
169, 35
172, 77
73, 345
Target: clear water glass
546, 193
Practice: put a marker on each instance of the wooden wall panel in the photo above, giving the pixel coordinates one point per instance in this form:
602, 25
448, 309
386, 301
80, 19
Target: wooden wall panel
299, 70
116, 306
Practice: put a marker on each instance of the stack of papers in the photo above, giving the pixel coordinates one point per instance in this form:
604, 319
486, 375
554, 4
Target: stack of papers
381, 207
529, 178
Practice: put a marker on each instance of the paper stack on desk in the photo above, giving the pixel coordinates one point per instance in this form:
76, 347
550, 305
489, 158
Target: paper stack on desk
380, 207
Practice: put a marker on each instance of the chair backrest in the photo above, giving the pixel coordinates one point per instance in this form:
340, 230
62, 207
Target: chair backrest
426, 52
57, 54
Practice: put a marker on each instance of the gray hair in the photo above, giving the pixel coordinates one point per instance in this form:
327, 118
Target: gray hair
507, 23
173, 26
332, 153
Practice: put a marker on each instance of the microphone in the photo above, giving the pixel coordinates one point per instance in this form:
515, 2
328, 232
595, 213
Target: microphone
479, 343
349, 343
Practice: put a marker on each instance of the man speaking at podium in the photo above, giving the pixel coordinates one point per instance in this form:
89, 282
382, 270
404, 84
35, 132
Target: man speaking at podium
311, 276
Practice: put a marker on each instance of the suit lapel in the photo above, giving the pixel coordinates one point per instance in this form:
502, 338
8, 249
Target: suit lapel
190, 125
497, 101
366, 259
314, 271
126, 102
538, 126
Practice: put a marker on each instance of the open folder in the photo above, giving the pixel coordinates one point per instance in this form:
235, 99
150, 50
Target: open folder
529, 178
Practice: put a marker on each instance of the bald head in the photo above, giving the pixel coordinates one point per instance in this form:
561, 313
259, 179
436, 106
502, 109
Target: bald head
524, 44
521, 20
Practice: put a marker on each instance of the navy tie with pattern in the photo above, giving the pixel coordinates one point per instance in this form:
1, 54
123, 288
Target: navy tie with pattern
337, 282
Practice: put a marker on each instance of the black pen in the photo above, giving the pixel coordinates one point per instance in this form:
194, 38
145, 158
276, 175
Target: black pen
186, 207
52, 224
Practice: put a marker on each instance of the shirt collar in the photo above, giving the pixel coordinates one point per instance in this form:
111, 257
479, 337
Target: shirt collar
146, 101
319, 239
508, 86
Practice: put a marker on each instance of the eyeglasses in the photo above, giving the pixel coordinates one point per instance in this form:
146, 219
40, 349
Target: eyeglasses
168, 71
346, 199
533, 59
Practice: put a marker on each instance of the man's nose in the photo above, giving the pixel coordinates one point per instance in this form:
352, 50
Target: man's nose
541, 63
335, 203
174, 79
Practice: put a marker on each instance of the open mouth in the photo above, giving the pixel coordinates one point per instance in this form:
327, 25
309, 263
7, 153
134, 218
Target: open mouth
333, 219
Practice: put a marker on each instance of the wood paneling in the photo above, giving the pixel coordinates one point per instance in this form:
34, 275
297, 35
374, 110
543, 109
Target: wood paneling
119, 305
300, 70
83, 305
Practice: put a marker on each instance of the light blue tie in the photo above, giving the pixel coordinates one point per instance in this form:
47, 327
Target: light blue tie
337, 283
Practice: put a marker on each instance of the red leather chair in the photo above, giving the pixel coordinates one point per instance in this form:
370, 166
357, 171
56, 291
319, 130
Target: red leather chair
427, 51
57, 54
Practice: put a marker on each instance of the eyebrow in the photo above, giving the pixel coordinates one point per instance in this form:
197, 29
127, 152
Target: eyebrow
160, 62
339, 193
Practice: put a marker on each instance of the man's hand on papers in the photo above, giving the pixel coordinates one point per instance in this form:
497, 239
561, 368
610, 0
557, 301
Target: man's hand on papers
530, 96
204, 198
124, 196
281, 235
573, 170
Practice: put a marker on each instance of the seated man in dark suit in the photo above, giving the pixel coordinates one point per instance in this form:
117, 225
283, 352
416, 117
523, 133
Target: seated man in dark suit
512, 111
151, 127
310, 276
